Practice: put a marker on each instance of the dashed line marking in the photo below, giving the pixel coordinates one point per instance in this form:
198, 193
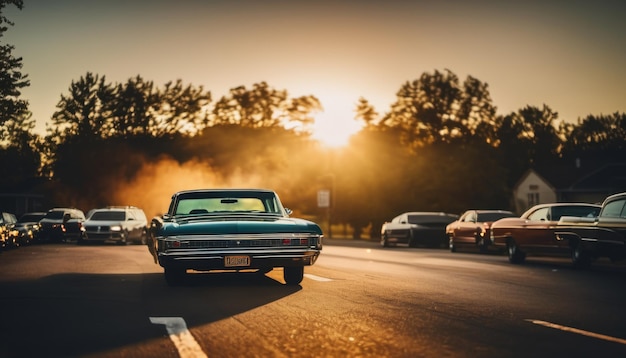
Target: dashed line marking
317, 278
577, 331
179, 334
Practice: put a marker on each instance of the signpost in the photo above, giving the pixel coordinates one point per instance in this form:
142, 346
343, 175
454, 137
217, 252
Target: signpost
323, 201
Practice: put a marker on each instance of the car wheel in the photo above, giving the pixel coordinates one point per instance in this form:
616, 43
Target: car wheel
411, 239
516, 256
174, 276
383, 241
451, 244
580, 258
293, 275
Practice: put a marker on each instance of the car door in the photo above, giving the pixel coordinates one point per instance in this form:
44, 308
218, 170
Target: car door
466, 229
538, 230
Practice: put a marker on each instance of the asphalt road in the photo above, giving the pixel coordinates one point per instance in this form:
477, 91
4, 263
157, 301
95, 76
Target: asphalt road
358, 300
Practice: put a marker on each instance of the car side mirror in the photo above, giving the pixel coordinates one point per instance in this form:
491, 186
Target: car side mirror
288, 211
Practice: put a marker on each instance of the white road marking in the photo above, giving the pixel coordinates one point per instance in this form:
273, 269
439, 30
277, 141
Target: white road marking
180, 335
578, 331
317, 278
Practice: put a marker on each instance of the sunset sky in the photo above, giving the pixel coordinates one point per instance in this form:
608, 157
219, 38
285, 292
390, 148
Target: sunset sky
569, 55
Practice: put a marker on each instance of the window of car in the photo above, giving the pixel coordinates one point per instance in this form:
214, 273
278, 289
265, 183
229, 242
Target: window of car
212, 205
55, 214
109, 215
615, 209
539, 214
574, 210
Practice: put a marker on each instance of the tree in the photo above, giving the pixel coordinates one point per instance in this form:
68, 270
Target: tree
437, 108
86, 112
264, 107
11, 78
366, 112
602, 136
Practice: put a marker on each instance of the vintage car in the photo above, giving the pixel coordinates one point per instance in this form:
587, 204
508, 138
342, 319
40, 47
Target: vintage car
120, 224
232, 229
533, 232
600, 236
473, 229
417, 228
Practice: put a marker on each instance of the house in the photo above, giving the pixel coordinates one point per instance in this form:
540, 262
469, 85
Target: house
573, 184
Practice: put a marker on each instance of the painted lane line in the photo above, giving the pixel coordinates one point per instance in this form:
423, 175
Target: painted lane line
578, 331
317, 278
179, 334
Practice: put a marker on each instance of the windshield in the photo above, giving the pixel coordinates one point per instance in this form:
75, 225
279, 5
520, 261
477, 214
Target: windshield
55, 214
220, 202
108, 216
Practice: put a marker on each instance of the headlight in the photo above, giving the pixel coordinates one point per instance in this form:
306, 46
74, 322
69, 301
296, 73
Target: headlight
116, 228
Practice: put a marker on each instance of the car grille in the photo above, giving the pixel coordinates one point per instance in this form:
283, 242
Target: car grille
208, 243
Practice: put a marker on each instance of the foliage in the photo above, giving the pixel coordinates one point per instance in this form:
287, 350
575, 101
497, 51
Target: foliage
12, 81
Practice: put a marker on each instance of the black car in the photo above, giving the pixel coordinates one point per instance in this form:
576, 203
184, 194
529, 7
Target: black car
7, 224
62, 224
28, 227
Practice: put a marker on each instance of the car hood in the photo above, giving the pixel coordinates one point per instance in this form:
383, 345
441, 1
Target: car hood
238, 225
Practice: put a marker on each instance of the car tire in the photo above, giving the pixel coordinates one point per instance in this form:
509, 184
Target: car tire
174, 276
383, 241
451, 244
580, 258
293, 275
516, 256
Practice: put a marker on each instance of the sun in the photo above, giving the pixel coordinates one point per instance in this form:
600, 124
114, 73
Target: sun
335, 125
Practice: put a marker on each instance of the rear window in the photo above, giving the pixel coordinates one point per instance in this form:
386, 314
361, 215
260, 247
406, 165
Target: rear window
55, 214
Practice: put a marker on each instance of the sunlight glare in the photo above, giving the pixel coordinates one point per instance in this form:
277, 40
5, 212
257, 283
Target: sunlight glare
336, 124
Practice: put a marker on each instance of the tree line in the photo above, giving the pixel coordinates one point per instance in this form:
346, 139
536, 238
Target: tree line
441, 145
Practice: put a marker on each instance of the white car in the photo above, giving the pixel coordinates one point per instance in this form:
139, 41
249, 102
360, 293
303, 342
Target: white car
120, 224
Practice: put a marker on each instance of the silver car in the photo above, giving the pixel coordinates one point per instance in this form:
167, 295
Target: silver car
119, 224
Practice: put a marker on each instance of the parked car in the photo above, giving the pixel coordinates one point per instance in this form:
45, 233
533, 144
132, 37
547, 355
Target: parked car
7, 235
533, 232
28, 227
62, 224
417, 228
121, 224
600, 236
473, 228
232, 229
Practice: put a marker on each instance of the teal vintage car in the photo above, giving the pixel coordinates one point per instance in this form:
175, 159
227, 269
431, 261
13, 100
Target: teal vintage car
235, 230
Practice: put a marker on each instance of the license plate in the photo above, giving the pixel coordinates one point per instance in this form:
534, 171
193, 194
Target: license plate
236, 261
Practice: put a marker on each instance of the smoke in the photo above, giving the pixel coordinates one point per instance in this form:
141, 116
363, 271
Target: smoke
152, 188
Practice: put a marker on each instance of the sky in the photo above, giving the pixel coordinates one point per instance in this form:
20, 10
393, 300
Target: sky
568, 55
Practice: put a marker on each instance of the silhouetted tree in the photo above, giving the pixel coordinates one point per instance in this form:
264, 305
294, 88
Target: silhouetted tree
437, 108
366, 112
263, 106
602, 137
11, 78
86, 112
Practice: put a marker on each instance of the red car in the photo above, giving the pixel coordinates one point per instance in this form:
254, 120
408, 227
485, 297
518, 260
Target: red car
534, 231
473, 228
